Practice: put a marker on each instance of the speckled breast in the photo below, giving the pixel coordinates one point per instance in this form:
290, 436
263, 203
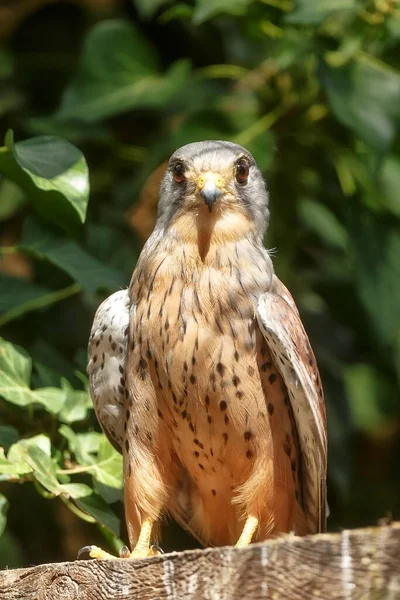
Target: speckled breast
209, 364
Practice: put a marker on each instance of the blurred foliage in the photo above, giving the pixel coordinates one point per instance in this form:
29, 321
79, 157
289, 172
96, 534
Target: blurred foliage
110, 89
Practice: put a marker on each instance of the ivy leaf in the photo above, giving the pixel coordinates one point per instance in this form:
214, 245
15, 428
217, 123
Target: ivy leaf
54, 175
83, 445
15, 464
76, 406
95, 506
108, 468
42, 466
119, 71
15, 376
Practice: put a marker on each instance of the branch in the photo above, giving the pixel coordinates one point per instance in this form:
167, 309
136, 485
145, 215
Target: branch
361, 564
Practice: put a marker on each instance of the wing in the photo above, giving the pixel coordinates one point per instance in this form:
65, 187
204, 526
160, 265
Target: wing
281, 326
107, 354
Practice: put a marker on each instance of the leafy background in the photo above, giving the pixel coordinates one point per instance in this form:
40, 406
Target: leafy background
111, 88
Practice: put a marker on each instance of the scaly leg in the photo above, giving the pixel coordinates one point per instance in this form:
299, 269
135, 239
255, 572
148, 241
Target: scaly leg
248, 531
143, 548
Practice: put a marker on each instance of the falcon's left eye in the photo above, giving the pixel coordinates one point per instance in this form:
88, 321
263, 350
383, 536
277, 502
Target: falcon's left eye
242, 171
178, 172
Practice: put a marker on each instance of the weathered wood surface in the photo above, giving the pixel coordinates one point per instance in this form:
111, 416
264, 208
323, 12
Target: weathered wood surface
361, 564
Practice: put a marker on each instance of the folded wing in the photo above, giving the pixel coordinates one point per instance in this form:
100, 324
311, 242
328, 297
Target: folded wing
107, 353
284, 333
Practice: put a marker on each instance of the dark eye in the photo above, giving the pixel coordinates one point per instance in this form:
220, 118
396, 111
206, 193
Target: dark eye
242, 171
178, 172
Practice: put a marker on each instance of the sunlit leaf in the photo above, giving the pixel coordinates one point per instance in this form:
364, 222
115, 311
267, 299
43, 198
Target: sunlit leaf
108, 465
309, 12
42, 466
83, 445
147, 8
76, 406
206, 9
119, 72
15, 464
76, 490
364, 96
15, 374
54, 175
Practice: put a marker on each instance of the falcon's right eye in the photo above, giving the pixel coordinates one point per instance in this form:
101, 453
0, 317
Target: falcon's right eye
178, 172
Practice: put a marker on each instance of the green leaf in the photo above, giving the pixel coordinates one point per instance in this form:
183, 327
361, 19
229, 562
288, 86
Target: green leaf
11, 199
42, 466
119, 72
54, 175
19, 297
364, 95
389, 179
16, 292
82, 444
147, 8
3, 513
365, 388
15, 464
320, 220
76, 490
8, 435
206, 9
108, 468
377, 274
11, 469
95, 506
69, 256
15, 375
76, 406
311, 12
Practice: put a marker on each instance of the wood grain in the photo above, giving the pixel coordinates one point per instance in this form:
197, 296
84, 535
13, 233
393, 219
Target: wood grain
361, 564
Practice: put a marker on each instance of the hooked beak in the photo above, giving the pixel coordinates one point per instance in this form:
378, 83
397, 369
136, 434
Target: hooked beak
209, 186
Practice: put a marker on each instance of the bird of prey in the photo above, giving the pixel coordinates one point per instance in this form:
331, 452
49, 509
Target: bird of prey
201, 373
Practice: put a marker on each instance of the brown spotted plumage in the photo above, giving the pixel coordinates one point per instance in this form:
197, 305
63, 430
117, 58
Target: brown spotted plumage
223, 423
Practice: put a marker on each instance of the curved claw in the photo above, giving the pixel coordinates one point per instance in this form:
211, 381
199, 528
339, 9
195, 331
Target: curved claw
124, 552
85, 549
156, 550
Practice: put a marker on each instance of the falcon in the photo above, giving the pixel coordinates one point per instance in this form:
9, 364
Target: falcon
201, 373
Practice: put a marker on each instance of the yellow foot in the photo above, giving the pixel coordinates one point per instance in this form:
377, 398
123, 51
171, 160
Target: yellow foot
99, 554
145, 552
95, 552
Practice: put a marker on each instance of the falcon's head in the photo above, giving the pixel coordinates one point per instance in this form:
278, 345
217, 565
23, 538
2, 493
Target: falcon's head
216, 185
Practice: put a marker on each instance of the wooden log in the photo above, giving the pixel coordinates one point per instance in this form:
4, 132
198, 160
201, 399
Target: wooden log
360, 564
